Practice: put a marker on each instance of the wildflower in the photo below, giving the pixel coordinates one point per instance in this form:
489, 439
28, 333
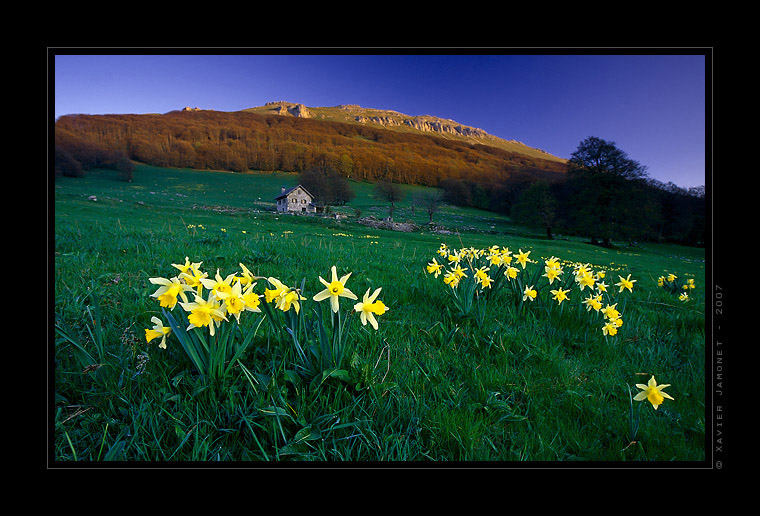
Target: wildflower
617, 321
609, 328
218, 284
652, 393
560, 295
626, 283
246, 278
368, 308
168, 292
193, 279
451, 279
552, 272
529, 293
336, 288
272, 294
289, 297
204, 313
486, 282
610, 312
522, 258
552, 263
251, 299
600, 275
481, 273
585, 280
495, 259
601, 287
690, 283
506, 256
443, 250
158, 330
233, 300
434, 268
671, 278
593, 302
454, 257
684, 297
660, 281
459, 271
511, 272
187, 266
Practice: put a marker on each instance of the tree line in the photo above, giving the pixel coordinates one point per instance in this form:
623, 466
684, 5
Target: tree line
241, 141
605, 196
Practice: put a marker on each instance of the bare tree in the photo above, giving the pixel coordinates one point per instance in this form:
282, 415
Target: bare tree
430, 202
390, 192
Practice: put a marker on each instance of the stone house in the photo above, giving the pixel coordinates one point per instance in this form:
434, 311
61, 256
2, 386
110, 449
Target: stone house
295, 200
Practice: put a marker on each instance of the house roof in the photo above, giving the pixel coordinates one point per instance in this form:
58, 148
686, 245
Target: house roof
286, 192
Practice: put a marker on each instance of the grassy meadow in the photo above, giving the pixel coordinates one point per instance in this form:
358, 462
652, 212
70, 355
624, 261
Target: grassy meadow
511, 381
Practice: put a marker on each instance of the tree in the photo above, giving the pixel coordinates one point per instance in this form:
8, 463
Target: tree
326, 185
536, 207
390, 192
606, 191
430, 202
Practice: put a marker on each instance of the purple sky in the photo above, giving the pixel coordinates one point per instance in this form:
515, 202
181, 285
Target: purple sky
651, 106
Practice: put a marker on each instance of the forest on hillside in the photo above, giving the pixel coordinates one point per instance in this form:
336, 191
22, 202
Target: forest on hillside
240, 141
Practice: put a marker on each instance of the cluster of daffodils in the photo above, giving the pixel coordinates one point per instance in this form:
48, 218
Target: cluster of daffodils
497, 267
672, 284
207, 301
210, 301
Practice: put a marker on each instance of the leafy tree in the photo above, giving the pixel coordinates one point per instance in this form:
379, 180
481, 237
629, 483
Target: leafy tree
605, 191
327, 185
536, 207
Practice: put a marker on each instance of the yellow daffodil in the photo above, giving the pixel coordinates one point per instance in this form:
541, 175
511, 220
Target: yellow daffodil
522, 258
204, 313
192, 279
459, 271
506, 256
251, 299
434, 268
335, 289
684, 297
246, 278
454, 257
451, 279
368, 308
610, 312
443, 250
671, 278
552, 273
481, 273
652, 393
187, 266
234, 302
158, 330
552, 263
529, 293
168, 292
217, 284
601, 287
560, 295
511, 272
486, 282
609, 328
585, 280
626, 283
593, 302
495, 259
289, 298
272, 294
690, 283
600, 275
660, 281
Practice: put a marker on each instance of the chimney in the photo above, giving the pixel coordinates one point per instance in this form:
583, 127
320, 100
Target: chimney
282, 191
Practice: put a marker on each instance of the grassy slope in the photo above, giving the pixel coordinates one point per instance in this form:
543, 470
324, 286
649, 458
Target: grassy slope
521, 389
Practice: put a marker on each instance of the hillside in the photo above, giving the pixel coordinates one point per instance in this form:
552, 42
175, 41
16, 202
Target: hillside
395, 121
248, 140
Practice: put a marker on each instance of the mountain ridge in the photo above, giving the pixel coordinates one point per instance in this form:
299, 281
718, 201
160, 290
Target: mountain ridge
397, 121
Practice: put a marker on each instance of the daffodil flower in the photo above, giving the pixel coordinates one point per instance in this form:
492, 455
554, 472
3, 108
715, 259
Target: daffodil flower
246, 278
434, 268
511, 272
684, 297
529, 293
187, 266
251, 299
273, 293
593, 302
585, 280
289, 298
610, 312
610, 329
158, 330
552, 273
601, 287
522, 258
368, 308
217, 284
626, 283
233, 300
560, 295
336, 288
671, 278
168, 292
204, 313
652, 393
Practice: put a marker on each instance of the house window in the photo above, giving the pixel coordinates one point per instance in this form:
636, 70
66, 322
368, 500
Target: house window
303, 201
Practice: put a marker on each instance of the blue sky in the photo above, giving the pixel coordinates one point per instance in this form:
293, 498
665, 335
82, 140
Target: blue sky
651, 106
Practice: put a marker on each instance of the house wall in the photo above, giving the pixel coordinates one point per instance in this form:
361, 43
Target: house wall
298, 201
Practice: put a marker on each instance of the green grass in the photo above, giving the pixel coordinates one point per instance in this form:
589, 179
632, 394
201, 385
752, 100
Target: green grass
426, 387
